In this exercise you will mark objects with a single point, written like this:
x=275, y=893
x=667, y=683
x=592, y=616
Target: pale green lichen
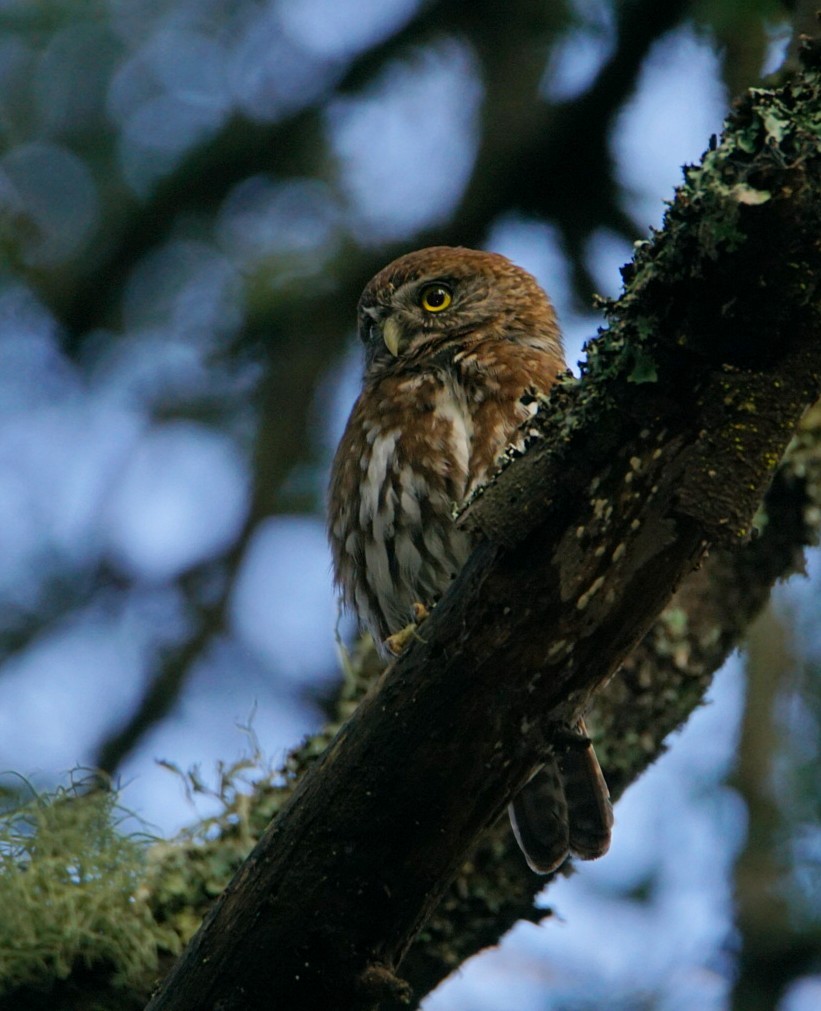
x=68, y=891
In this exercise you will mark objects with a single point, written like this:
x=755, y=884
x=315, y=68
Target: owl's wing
x=564, y=809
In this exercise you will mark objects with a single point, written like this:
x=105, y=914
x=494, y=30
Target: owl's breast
x=397, y=477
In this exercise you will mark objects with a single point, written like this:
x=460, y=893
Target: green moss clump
x=68, y=890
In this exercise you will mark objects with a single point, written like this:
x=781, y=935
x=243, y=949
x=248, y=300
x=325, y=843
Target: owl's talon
x=397, y=642
x=420, y=612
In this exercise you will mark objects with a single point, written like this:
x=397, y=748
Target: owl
x=458, y=344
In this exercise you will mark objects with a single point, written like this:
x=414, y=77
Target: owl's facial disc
x=432, y=297
x=403, y=316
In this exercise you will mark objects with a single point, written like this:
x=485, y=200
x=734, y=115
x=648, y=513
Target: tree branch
x=666, y=445
x=664, y=679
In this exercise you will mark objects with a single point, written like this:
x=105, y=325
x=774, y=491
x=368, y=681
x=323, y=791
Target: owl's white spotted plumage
x=457, y=343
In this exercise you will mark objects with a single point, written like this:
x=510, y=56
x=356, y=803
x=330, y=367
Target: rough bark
x=666, y=445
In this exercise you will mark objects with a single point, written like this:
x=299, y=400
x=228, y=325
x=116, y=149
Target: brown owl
x=457, y=343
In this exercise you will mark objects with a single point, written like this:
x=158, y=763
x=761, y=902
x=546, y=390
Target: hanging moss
x=68, y=891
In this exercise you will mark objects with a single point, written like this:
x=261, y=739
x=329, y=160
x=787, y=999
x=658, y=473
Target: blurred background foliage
x=192, y=195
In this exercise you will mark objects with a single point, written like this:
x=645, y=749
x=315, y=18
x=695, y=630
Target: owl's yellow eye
x=435, y=297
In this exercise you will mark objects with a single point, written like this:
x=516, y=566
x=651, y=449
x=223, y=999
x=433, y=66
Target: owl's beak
x=391, y=335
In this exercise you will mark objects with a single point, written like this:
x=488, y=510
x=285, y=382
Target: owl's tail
x=564, y=810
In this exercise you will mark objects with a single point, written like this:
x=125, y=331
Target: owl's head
x=434, y=301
